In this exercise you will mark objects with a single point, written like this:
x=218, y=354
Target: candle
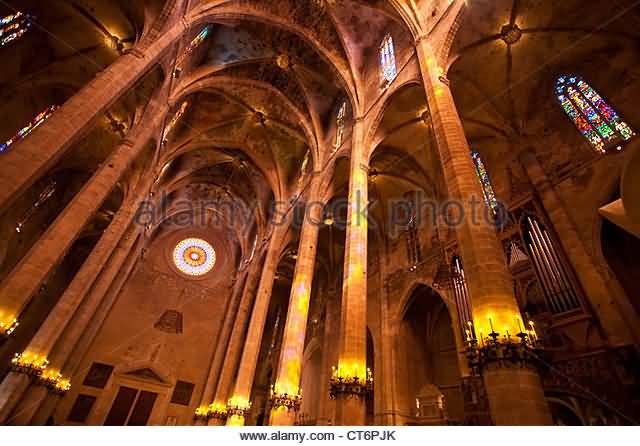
x=519, y=323
x=481, y=338
x=491, y=325
x=533, y=330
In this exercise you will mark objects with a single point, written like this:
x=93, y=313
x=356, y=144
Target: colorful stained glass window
x=39, y=119
x=14, y=26
x=485, y=181
x=194, y=257
x=195, y=43
x=594, y=118
x=340, y=121
x=388, y=60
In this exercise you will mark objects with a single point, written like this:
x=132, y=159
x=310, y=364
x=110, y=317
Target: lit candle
x=473, y=332
x=491, y=325
x=533, y=331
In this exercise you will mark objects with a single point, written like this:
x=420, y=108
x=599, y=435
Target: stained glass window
x=12, y=27
x=594, y=118
x=39, y=119
x=340, y=124
x=388, y=60
x=194, y=257
x=485, y=181
x=195, y=43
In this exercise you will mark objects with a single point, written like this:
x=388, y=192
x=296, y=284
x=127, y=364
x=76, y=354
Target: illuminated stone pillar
x=515, y=394
x=224, y=335
x=231, y=354
x=239, y=403
x=20, y=285
x=352, y=357
x=286, y=390
x=53, y=327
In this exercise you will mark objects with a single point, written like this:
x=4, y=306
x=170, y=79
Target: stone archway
x=427, y=356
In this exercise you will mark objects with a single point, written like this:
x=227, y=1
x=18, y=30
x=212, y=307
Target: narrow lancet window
x=388, y=67
x=35, y=123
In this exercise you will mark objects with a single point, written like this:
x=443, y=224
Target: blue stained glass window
x=388, y=67
x=487, y=188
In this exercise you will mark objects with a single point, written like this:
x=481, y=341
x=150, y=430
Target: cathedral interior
x=319, y=212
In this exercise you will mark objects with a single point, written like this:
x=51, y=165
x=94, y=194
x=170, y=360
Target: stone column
x=36, y=154
x=617, y=319
x=240, y=397
x=352, y=357
x=22, y=283
x=230, y=356
x=515, y=395
x=51, y=331
x=222, y=341
x=81, y=332
x=287, y=382
x=52, y=328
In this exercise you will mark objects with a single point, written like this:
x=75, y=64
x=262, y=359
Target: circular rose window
x=194, y=256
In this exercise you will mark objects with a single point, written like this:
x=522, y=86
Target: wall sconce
x=354, y=386
x=8, y=326
x=290, y=402
x=493, y=349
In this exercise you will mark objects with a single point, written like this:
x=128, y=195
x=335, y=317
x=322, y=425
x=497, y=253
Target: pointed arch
x=596, y=120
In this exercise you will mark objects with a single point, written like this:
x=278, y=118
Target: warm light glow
x=289, y=372
x=7, y=324
x=30, y=360
x=351, y=369
x=202, y=411
x=217, y=407
x=235, y=420
x=55, y=380
x=507, y=324
x=239, y=402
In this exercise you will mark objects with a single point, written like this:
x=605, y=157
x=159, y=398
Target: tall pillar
x=22, y=283
x=51, y=331
x=352, y=356
x=617, y=319
x=222, y=342
x=515, y=395
x=286, y=390
x=48, y=143
x=73, y=345
x=230, y=356
x=239, y=403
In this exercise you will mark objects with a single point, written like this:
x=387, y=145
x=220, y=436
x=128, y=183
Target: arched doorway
x=427, y=356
